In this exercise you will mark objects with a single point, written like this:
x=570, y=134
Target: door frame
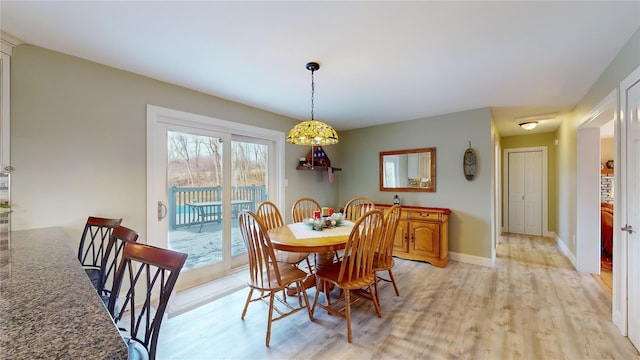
x=157, y=115
x=606, y=110
x=588, y=199
x=505, y=182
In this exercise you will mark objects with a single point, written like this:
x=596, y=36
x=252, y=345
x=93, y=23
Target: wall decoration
x=469, y=163
x=317, y=157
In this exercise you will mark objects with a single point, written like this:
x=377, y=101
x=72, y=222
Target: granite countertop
x=48, y=307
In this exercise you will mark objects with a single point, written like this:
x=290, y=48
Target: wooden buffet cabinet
x=423, y=234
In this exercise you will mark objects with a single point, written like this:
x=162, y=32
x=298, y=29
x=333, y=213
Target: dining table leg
x=322, y=260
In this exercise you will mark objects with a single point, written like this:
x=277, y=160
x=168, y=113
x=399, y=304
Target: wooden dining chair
x=149, y=275
x=303, y=208
x=271, y=217
x=112, y=256
x=93, y=245
x=355, y=271
x=356, y=207
x=352, y=212
x=267, y=275
x=383, y=257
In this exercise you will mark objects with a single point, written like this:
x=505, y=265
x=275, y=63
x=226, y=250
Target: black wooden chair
x=148, y=274
x=113, y=253
x=93, y=245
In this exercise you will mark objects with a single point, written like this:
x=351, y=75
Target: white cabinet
x=7, y=42
x=5, y=145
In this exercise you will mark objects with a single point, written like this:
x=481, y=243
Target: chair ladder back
x=119, y=237
x=94, y=240
x=263, y=267
x=152, y=271
x=270, y=215
x=357, y=261
x=303, y=208
x=356, y=207
x=391, y=220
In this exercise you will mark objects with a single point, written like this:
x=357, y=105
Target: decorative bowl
x=320, y=224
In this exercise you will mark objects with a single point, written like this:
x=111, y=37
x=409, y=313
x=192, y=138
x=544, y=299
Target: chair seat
x=288, y=274
x=381, y=263
x=137, y=351
x=288, y=257
x=332, y=272
x=94, y=276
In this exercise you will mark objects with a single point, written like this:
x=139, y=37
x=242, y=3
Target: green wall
x=627, y=60
x=78, y=145
x=471, y=202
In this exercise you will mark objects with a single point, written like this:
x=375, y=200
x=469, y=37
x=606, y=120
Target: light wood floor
x=606, y=280
x=531, y=305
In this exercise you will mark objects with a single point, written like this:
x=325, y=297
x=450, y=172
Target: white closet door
x=525, y=192
x=516, y=193
x=533, y=193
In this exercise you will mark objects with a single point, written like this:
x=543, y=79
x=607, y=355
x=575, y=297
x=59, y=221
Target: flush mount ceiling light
x=529, y=125
x=530, y=122
x=312, y=132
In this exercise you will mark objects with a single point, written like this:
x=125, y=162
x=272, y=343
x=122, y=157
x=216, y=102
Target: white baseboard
x=565, y=250
x=471, y=259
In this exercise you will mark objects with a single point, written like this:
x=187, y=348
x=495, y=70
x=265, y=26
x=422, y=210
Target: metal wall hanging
x=469, y=163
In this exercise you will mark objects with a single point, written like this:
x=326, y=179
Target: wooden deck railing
x=181, y=215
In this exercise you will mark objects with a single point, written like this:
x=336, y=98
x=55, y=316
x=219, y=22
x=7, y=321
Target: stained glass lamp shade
x=312, y=132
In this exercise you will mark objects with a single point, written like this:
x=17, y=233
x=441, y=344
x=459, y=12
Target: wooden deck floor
x=204, y=246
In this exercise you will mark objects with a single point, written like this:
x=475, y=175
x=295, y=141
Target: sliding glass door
x=202, y=177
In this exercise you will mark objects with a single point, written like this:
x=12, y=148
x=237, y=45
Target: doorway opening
x=596, y=148
x=607, y=174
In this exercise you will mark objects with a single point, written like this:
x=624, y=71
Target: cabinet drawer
x=425, y=215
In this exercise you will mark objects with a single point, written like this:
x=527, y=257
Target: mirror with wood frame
x=408, y=170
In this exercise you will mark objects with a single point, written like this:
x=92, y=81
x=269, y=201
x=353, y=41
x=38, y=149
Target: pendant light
x=312, y=132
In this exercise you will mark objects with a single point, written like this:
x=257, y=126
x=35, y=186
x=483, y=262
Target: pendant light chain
x=313, y=91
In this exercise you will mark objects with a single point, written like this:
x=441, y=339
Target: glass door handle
x=162, y=210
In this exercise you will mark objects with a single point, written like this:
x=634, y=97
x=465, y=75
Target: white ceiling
x=381, y=61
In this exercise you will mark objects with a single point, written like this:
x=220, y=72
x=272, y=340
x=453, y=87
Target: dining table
x=300, y=237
